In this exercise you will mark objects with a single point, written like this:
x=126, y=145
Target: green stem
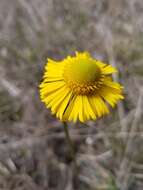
x=70, y=143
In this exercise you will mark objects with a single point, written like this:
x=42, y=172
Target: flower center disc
x=82, y=77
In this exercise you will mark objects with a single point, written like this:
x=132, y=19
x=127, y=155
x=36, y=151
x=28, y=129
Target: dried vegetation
x=33, y=150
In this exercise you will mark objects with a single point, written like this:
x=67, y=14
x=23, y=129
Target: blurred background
x=34, y=154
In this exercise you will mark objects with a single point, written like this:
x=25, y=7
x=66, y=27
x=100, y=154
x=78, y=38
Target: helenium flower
x=79, y=88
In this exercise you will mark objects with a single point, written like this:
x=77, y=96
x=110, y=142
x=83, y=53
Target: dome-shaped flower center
x=84, y=72
x=83, y=76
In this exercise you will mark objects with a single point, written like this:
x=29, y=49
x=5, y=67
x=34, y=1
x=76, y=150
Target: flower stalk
x=70, y=143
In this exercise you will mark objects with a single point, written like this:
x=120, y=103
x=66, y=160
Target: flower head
x=79, y=88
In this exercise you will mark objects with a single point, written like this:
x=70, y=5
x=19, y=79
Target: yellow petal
x=75, y=110
x=46, y=89
x=111, y=95
x=99, y=105
x=59, y=103
x=88, y=110
x=108, y=69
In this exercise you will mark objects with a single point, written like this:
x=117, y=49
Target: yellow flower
x=79, y=88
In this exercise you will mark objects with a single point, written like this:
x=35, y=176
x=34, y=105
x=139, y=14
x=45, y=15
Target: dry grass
x=34, y=154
